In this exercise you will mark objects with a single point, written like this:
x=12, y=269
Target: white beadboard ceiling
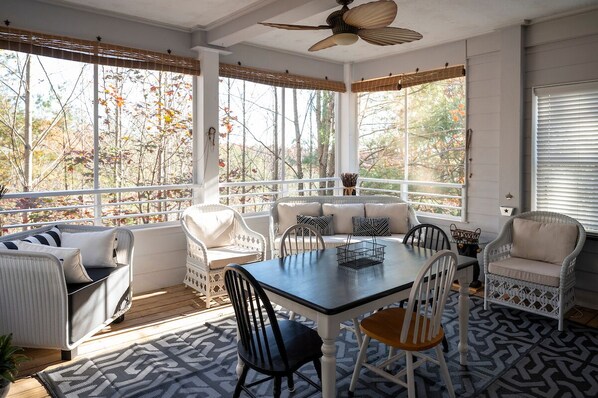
x=229, y=22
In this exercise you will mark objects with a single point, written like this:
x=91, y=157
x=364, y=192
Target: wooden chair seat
x=386, y=325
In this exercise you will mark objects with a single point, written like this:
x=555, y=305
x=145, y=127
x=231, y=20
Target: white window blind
x=565, y=151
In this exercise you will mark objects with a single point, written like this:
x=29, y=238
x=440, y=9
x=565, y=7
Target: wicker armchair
x=542, y=288
x=217, y=235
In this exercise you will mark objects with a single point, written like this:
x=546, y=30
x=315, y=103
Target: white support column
x=347, y=139
x=205, y=118
x=511, y=119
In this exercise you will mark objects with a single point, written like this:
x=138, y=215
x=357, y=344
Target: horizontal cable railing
x=427, y=198
x=162, y=203
x=107, y=206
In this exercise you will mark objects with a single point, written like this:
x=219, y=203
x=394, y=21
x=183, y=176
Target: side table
x=472, y=250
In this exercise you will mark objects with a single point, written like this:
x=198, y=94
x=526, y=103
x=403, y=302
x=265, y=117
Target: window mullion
x=96, y=146
x=405, y=187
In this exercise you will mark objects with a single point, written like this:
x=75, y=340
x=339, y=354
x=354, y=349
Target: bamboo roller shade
x=279, y=79
x=404, y=80
x=94, y=52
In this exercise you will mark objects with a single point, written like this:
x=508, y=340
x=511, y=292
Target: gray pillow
x=322, y=224
x=371, y=226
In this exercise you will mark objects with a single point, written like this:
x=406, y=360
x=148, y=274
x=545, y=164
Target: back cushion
x=97, y=247
x=538, y=241
x=214, y=229
x=397, y=212
x=343, y=215
x=288, y=212
x=70, y=258
x=48, y=238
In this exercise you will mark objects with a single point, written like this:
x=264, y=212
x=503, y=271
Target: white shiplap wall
x=559, y=52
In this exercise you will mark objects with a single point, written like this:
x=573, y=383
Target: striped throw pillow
x=371, y=226
x=322, y=224
x=48, y=238
x=10, y=245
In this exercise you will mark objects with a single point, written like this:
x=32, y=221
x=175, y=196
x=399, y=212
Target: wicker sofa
x=42, y=310
x=283, y=213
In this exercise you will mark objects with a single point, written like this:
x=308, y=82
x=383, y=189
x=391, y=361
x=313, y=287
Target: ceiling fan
x=369, y=21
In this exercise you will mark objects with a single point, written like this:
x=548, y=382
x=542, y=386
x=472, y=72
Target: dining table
x=314, y=285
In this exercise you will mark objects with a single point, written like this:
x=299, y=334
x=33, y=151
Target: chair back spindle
x=300, y=238
x=254, y=313
x=431, y=288
x=428, y=236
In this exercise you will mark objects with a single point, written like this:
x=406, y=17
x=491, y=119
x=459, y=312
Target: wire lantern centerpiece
x=349, y=181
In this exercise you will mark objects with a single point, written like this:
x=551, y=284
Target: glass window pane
x=145, y=126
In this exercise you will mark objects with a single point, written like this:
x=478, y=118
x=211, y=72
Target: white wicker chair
x=550, y=301
x=206, y=258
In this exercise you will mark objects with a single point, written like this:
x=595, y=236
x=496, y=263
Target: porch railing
x=152, y=204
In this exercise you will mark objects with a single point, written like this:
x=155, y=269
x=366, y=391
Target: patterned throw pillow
x=371, y=226
x=48, y=238
x=9, y=245
x=323, y=224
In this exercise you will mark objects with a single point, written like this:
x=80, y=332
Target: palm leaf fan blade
x=388, y=36
x=294, y=27
x=322, y=44
x=374, y=15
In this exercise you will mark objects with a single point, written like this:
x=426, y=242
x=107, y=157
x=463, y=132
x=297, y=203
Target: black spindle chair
x=428, y=236
x=269, y=346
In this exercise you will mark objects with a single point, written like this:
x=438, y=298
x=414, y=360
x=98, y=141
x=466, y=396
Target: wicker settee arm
x=568, y=267
x=34, y=303
x=499, y=248
x=196, y=249
x=246, y=237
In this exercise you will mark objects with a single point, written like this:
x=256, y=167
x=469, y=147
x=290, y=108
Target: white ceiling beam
x=246, y=26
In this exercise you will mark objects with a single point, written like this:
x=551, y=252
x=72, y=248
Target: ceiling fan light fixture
x=345, y=39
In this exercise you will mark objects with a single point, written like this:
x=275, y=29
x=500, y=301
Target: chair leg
x=318, y=366
x=445, y=344
x=360, y=359
x=277, y=386
x=241, y=382
x=410, y=375
x=358, y=335
x=445, y=373
x=291, y=383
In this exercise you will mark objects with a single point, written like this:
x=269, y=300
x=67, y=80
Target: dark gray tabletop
x=315, y=279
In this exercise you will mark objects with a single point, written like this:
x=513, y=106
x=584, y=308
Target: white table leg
x=328, y=331
x=463, y=346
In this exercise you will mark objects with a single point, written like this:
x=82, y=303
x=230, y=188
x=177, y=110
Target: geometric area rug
x=512, y=354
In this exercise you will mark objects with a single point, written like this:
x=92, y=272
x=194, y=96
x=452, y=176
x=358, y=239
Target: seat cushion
x=214, y=228
x=533, y=271
x=220, y=257
x=288, y=212
x=548, y=242
x=397, y=212
x=343, y=215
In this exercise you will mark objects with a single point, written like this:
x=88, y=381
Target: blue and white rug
x=512, y=354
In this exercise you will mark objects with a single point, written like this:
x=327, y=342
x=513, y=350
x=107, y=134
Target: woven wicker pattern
x=34, y=300
x=404, y=80
x=553, y=302
x=210, y=282
x=94, y=52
